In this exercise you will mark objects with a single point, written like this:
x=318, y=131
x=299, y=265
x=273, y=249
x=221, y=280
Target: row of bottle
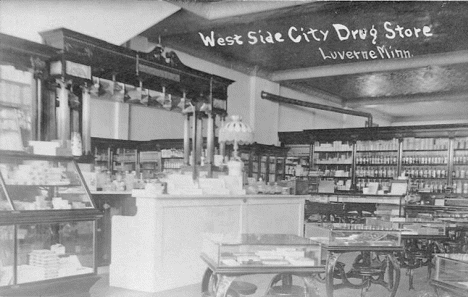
x=425, y=172
x=460, y=172
x=377, y=145
x=121, y=181
x=376, y=159
x=461, y=143
x=376, y=172
x=173, y=164
x=333, y=158
x=436, y=159
x=460, y=187
x=383, y=184
x=411, y=143
x=432, y=186
x=172, y=153
x=461, y=159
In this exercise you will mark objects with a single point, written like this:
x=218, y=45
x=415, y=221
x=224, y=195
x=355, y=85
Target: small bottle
x=107, y=186
x=140, y=183
x=459, y=187
x=465, y=188
x=129, y=180
x=278, y=189
x=119, y=183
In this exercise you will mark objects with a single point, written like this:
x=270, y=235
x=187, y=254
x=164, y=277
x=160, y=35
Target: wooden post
x=63, y=112
x=37, y=104
x=194, y=145
x=187, y=140
x=199, y=138
x=210, y=139
x=86, y=119
x=222, y=145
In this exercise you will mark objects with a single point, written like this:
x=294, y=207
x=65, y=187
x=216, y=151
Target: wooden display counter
x=158, y=249
x=351, y=207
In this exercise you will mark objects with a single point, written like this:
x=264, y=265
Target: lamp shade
x=235, y=131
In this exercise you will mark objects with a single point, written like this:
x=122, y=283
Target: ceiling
x=413, y=65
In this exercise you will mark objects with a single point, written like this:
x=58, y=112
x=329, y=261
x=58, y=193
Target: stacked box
x=47, y=260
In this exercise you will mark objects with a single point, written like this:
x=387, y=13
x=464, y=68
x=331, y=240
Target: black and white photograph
x=233, y=148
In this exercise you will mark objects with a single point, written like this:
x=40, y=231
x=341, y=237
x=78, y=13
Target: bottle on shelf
x=118, y=184
x=459, y=187
x=139, y=182
x=129, y=180
x=107, y=186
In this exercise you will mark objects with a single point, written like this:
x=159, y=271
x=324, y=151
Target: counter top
x=144, y=194
x=356, y=194
x=356, y=198
x=111, y=193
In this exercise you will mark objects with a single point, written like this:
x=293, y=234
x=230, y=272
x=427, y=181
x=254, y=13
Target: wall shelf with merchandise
x=433, y=157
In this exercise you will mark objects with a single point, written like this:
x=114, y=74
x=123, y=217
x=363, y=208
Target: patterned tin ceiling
x=322, y=36
x=427, y=80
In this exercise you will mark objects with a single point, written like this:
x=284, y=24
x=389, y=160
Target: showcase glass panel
x=4, y=204
x=261, y=250
x=6, y=255
x=16, y=107
x=43, y=184
x=451, y=270
x=49, y=251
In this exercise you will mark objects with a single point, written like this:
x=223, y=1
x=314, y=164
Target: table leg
x=311, y=286
x=410, y=274
x=224, y=282
x=330, y=267
x=394, y=279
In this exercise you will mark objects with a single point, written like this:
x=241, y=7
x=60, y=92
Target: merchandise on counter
x=36, y=173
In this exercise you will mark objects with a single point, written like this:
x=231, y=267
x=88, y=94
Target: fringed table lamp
x=237, y=133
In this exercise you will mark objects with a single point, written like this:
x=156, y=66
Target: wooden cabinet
x=267, y=162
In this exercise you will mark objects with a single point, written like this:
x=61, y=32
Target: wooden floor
x=422, y=288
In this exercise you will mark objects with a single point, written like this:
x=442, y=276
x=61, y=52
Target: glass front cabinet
x=47, y=227
x=451, y=274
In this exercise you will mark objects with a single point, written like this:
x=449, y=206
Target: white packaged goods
x=44, y=147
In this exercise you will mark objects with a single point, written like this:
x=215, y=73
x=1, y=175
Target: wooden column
x=86, y=119
x=63, y=111
x=187, y=140
x=222, y=145
x=199, y=138
x=194, y=145
x=210, y=139
x=37, y=104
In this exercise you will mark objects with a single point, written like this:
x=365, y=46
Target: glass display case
x=451, y=273
x=344, y=234
x=42, y=183
x=411, y=226
x=261, y=250
x=47, y=226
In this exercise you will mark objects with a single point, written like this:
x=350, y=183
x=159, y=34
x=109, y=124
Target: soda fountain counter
x=159, y=247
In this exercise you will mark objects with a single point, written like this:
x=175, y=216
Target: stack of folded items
x=47, y=260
